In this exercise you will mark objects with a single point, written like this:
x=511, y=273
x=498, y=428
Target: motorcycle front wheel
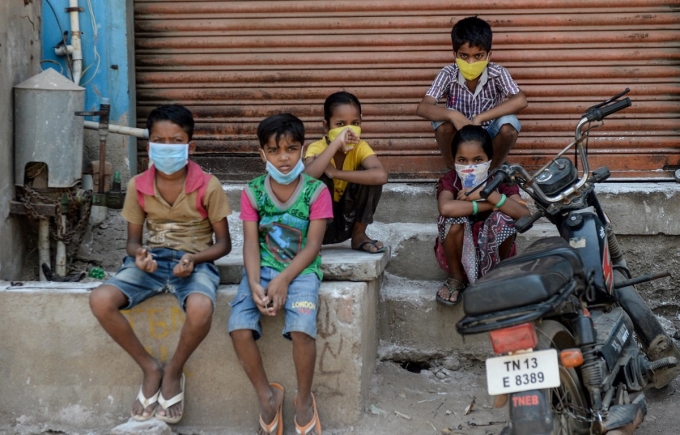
x=568, y=401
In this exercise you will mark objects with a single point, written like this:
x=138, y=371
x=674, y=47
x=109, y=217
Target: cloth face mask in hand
x=335, y=132
x=472, y=175
x=169, y=158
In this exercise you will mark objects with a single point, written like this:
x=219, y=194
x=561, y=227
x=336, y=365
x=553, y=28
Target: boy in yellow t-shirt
x=351, y=170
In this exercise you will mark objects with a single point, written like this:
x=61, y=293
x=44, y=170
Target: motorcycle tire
x=568, y=401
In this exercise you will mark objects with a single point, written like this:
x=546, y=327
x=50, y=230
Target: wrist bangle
x=475, y=208
x=500, y=203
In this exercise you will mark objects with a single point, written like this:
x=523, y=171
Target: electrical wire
x=63, y=38
x=97, y=57
x=54, y=62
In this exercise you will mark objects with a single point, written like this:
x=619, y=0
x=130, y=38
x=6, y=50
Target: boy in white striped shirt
x=477, y=92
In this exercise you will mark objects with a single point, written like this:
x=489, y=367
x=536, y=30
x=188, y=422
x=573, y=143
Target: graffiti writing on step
x=158, y=328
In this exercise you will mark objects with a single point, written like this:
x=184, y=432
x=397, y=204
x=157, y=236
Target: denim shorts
x=301, y=307
x=495, y=127
x=139, y=285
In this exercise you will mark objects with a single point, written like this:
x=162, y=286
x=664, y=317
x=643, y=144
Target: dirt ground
x=432, y=403
x=402, y=402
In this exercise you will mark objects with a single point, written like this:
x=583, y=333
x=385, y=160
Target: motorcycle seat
x=547, y=267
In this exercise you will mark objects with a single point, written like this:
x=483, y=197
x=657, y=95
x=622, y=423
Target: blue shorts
x=301, y=307
x=139, y=286
x=495, y=127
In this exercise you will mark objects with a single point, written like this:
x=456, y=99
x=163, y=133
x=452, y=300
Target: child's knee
x=241, y=335
x=105, y=299
x=199, y=308
x=509, y=131
x=301, y=338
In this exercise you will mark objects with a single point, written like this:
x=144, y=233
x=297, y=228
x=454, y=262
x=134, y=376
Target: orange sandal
x=314, y=423
x=277, y=423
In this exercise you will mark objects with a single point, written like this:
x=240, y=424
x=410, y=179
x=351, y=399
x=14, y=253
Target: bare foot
x=170, y=387
x=304, y=413
x=151, y=382
x=268, y=411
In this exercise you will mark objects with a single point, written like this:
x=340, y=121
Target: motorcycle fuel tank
x=584, y=232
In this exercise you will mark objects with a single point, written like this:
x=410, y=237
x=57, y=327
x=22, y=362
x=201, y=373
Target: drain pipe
x=43, y=244
x=77, y=55
x=141, y=133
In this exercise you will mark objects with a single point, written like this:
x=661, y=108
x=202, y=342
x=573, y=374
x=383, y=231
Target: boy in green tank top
x=284, y=217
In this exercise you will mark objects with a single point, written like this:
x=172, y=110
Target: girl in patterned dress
x=474, y=234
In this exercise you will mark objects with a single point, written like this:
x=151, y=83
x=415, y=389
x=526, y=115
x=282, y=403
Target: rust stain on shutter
x=235, y=62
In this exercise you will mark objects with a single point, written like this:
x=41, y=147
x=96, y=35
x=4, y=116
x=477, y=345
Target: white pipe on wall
x=141, y=133
x=43, y=245
x=60, y=258
x=77, y=55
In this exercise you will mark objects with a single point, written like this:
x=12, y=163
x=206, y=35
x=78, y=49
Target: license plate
x=522, y=372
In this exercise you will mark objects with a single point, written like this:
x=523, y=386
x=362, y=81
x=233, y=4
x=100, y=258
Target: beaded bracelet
x=500, y=203
x=475, y=208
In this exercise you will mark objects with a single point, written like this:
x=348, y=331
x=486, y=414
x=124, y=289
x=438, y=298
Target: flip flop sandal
x=460, y=286
x=277, y=423
x=314, y=423
x=165, y=404
x=146, y=403
x=362, y=247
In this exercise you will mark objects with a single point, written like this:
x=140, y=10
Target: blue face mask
x=288, y=178
x=169, y=158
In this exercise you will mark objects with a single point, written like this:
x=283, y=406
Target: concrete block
x=414, y=327
x=338, y=263
x=414, y=203
x=642, y=208
x=58, y=366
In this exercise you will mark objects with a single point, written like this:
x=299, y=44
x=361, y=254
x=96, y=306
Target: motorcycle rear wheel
x=568, y=401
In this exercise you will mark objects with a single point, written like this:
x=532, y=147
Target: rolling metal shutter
x=235, y=62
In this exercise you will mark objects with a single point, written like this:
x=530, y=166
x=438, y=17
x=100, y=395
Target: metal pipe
x=60, y=260
x=77, y=55
x=43, y=245
x=141, y=133
x=104, y=112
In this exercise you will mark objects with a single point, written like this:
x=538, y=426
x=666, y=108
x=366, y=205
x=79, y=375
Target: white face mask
x=472, y=175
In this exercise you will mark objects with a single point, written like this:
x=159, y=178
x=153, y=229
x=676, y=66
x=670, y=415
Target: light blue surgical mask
x=288, y=178
x=169, y=158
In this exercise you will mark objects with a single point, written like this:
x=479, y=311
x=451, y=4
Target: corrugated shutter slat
x=235, y=62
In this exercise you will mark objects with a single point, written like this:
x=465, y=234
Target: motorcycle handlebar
x=493, y=184
x=600, y=113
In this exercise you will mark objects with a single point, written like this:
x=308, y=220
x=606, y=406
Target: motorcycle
x=575, y=343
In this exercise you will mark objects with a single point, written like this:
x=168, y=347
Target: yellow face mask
x=335, y=132
x=472, y=70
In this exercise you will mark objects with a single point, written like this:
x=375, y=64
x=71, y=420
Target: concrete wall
x=19, y=59
x=113, y=78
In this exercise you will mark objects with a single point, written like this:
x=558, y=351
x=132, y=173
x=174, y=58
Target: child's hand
x=144, y=260
x=474, y=196
x=262, y=301
x=277, y=291
x=346, y=136
x=459, y=120
x=184, y=267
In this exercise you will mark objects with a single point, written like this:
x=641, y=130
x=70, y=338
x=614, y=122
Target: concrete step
x=414, y=327
x=338, y=263
x=58, y=366
x=412, y=247
x=634, y=208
